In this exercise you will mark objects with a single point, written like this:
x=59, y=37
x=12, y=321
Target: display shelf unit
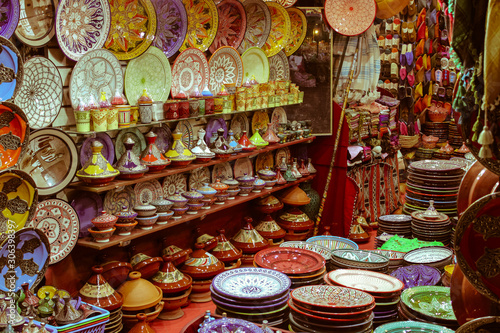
x=117, y=240
x=79, y=185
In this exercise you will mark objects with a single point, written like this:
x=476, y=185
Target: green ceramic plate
x=411, y=326
x=431, y=301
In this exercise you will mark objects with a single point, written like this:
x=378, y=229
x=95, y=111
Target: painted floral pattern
x=4, y=10
x=278, y=67
x=258, y=26
x=225, y=67
x=202, y=24
x=172, y=25
x=280, y=30
x=190, y=71
x=232, y=25
x=298, y=30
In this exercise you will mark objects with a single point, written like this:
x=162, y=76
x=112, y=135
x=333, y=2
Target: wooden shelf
x=117, y=240
x=170, y=171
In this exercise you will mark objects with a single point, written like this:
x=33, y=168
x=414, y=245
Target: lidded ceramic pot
x=97, y=170
x=115, y=272
x=258, y=141
x=233, y=143
x=207, y=191
x=258, y=185
x=145, y=264
x=178, y=200
x=248, y=239
x=179, y=154
x=225, y=251
x=98, y=292
x=145, y=210
x=139, y=294
x=178, y=255
x=201, y=150
x=152, y=156
x=268, y=204
x=295, y=219
x=269, y=229
x=220, y=146
x=202, y=265
x=245, y=180
x=125, y=215
x=232, y=183
x=295, y=196
x=267, y=174
x=270, y=136
x=219, y=187
x=129, y=164
x=193, y=196
x=280, y=180
x=170, y=279
x=162, y=205
x=245, y=143
x=104, y=221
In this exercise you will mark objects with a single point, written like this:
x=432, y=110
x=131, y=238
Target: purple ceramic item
x=163, y=137
x=234, y=301
x=9, y=17
x=417, y=275
x=229, y=325
x=108, y=149
x=172, y=25
x=87, y=205
x=251, y=308
x=212, y=127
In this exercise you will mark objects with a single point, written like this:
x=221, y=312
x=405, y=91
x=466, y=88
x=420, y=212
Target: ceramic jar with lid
x=142, y=325
x=258, y=185
x=179, y=154
x=245, y=180
x=125, y=215
x=226, y=252
x=178, y=255
x=219, y=187
x=207, y=191
x=139, y=294
x=193, y=196
x=147, y=266
x=266, y=174
x=245, y=143
x=97, y=171
x=258, y=141
x=152, y=156
x=295, y=219
x=248, y=239
x=162, y=205
x=178, y=200
x=201, y=150
x=202, y=265
x=129, y=164
x=145, y=210
x=220, y=146
x=233, y=143
x=98, y=292
x=268, y=204
x=270, y=136
x=104, y=221
x=232, y=183
x=170, y=279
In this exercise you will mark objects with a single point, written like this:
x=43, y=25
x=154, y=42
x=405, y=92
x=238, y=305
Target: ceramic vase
x=97, y=171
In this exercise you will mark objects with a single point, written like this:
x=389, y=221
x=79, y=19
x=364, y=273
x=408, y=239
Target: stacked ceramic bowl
x=395, y=258
x=439, y=130
x=434, y=256
x=397, y=224
x=251, y=293
x=321, y=250
x=333, y=242
x=454, y=137
x=411, y=326
x=303, y=267
x=325, y=309
x=359, y=259
x=428, y=304
x=384, y=288
x=431, y=225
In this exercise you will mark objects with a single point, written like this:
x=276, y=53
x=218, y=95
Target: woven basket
x=408, y=141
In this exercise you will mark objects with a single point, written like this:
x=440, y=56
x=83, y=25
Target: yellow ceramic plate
x=264, y=160
x=256, y=64
x=298, y=30
x=203, y=21
x=260, y=120
x=280, y=29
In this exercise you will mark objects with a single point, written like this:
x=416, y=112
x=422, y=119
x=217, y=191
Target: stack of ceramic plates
x=114, y=325
x=411, y=326
x=439, y=130
x=431, y=225
x=428, y=304
x=395, y=258
x=384, y=288
x=397, y=224
x=359, y=259
x=423, y=154
x=454, y=137
x=381, y=239
x=303, y=267
x=417, y=275
x=321, y=250
x=333, y=242
x=251, y=293
x=323, y=309
x=434, y=256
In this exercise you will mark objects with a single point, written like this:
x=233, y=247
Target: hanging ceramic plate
x=82, y=26
x=136, y=136
x=96, y=71
x=9, y=17
x=14, y=135
x=115, y=200
x=350, y=18
x=202, y=24
x=51, y=160
x=190, y=71
x=212, y=126
x=150, y=71
x=133, y=28
x=239, y=123
x=148, y=191
x=243, y=166
x=232, y=24
x=163, y=137
x=255, y=64
x=185, y=128
x=41, y=93
x=225, y=67
x=173, y=184
x=222, y=171
x=258, y=25
x=279, y=69
x=285, y=3
x=108, y=149
x=280, y=29
x=36, y=22
x=278, y=117
x=260, y=120
x=172, y=26
x=19, y=199
x=12, y=71
x=298, y=30
x=198, y=177
x=87, y=205
x=59, y=222
x=280, y=153
x=264, y=160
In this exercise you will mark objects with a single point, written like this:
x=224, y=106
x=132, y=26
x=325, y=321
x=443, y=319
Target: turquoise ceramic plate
x=411, y=326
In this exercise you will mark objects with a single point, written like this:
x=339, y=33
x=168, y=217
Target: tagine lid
x=104, y=218
x=266, y=172
x=98, y=292
x=177, y=198
x=170, y=279
x=295, y=196
x=202, y=264
x=245, y=179
x=247, y=238
x=207, y=189
x=430, y=214
x=160, y=201
x=192, y=195
x=268, y=228
x=144, y=207
x=225, y=251
x=269, y=201
x=179, y=152
x=270, y=136
x=126, y=213
x=152, y=155
x=139, y=294
x=231, y=182
x=97, y=166
x=129, y=162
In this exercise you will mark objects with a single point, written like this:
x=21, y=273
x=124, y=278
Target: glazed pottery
x=412, y=326
x=258, y=185
x=130, y=320
x=246, y=180
x=225, y=250
x=432, y=302
x=417, y=275
x=220, y=198
x=179, y=211
x=269, y=229
x=233, y=193
x=295, y=196
x=201, y=150
x=178, y=200
x=125, y=229
x=295, y=170
x=162, y=205
x=374, y=283
x=101, y=236
x=232, y=183
x=310, y=167
x=193, y=196
x=193, y=208
x=116, y=272
x=178, y=255
x=332, y=299
x=164, y=217
x=290, y=261
x=303, y=169
x=248, y=239
x=333, y=242
x=172, y=305
x=245, y=143
x=142, y=326
x=179, y=154
x=139, y=294
x=147, y=222
x=145, y=210
x=98, y=292
x=97, y=171
x=68, y=314
x=219, y=187
x=104, y=221
x=147, y=266
x=201, y=264
x=170, y=279
x=312, y=208
x=129, y=164
x=322, y=250
x=220, y=147
x=233, y=143
x=270, y=136
x=245, y=190
x=266, y=174
x=295, y=219
x=152, y=156
x=207, y=191
x=125, y=215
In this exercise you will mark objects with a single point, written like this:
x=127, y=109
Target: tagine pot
x=179, y=154
x=146, y=265
x=142, y=326
x=178, y=255
x=225, y=251
x=98, y=292
x=104, y=221
x=248, y=239
x=97, y=171
x=269, y=229
x=116, y=272
x=139, y=294
x=268, y=205
x=295, y=219
x=202, y=265
x=295, y=196
x=201, y=150
x=258, y=141
x=152, y=156
x=270, y=136
x=129, y=164
x=220, y=147
x=170, y=280
x=173, y=304
x=245, y=143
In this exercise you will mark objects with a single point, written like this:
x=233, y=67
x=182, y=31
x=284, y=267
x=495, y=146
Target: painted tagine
x=226, y=252
x=97, y=171
x=152, y=156
x=202, y=265
x=248, y=239
x=179, y=154
x=170, y=280
x=268, y=204
x=257, y=140
x=201, y=150
x=270, y=230
x=233, y=143
x=270, y=136
x=129, y=164
x=147, y=266
x=178, y=255
x=245, y=143
x=220, y=147
x=104, y=221
x=98, y=292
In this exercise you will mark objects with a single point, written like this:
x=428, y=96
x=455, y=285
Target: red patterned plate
x=285, y=3
x=226, y=67
x=203, y=21
x=14, y=134
x=190, y=72
x=258, y=25
x=289, y=260
x=232, y=25
x=332, y=298
x=350, y=18
x=298, y=31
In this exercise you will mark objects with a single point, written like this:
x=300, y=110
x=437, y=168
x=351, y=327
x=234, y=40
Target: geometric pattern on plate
x=366, y=280
x=172, y=25
x=232, y=25
x=36, y=25
x=360, y=255
x=428, y=255
x=203, y=21
x=14, y=135
x=198, y=177
x=184, y=126
x=226, y=67
x=350, y=18
x=243, y=166
x=298, y=30
x=173, y=184
x=436, y=166
x=280, y=29
x=279, y=69
x=190, y=72
x=332, y=297
x=119, y=197
x=321, y=250
x=290, y=260
x=432, y=301
x=258, y=25
x=411, y=326
x=9, y=18
x=228, y=325
x=148, y=191
x=222, y=171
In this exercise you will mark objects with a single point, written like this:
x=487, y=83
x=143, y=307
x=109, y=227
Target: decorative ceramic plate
x=260, y=120
x=135, y=135
x=436, y=167
x=230, y=325
x=431, y=301
x=12, y=71
x=172, y=25
x=359, y=255
x=36, y=22
x=366, y=280
x=350, y=18
x=333, y=242
x=82, y=26
x=321, y=250
x=331, y=298
x=243, y=166
x=198, y=177
x=203, y=21
x=97, y=71
x=264, y=160
x=255, y=64
x=278, y=117
x=212, y=127
x=279, y=69
x=32, y=251
x=51, y=160
x=258, y=25
x=9, y=18
x=190, y=72
x=428, y=255
x=87, y=205
x=133, y=28
x=173, y=184
x=59, y=222
x=290, y=260
x=116, y=199
x=19, y=199
x=226, y=67
x=14, y=135
x=298, y=31
x=411, y=326
x=185, y=128
x=222, y=171
x=239, y=123
x=280, y=153
x=108, y=149
x=251, y=283
x=163, y=137
x=232, y=24
x=147, y=191
x=280, y=29
x=150, y=71
x=285, y=3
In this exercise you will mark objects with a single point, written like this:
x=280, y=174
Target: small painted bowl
x=124, y=229
x=164, y=217
x=146, y=223
x=101, y=236
x=270, y=183
x=125, y=215
x=162, y=205
x=207, y=191
x=267, y=174
x=221, y=198
x=193, y=196
x=245, y=180
x=232, y=183
x=245, y=190
x=207, y=203
x=145, y=210
x=178, y=200
x=258, y=185
x=233, y=193
x=194, y=207
x=179, y=211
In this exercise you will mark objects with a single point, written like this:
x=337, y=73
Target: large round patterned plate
x=255, y=64
x=148, y=191
x=321, y=250
x=59, y=222
x=260, y=120
x=185, y=128
x=41, y=92
x=411, y=326
x=350, y=18
x=14, y=135
x=82, y=26
x=264, y=160
x=173, y=184
x=280, y=29
x=136, y=136
x=331, y=298
x=51, y=160
x=198, y=177
x=108, y=149
x=203, y=21
x=280, y=153
x=290, y=261
x=163, y=137
x=150, y=71
x=97, y=71
x=36, y=22
x=366, y=281
x=226, y=67
x=12, y=71
x=222, y=171
x=213, y=126
x=298, y=31
x=115, y=200
x=190, y=72
x=232, y=25
x=239, y=123
x=278, y=117
x=258, y=25
x=133, y=28
x=279, y=69
x=9, y=17
x=172, y=25
x=243, y=166
x=87, y=205
x=431, y=301
x=224, y=325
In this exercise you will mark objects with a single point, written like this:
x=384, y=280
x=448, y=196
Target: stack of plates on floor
x=411, y=326
x=253, y=294
x=303, y=267
x=431, y=225
x=439, y=130
x=114, y=325
x=395, y=258
x=359, y=259
x=333, y=242
x=321, y=250
x=454, y=137
x=397, y=224
x=384, y=288
x=325, y=309
x=428, y=304
x=437, y=155
x=434, y=256
x=423, y=154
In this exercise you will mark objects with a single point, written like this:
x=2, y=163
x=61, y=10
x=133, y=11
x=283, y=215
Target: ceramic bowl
x=232, y=183
x=258, y=185
x=104, y=221
x=245, y=180
x=164, y=217
x=125, y=216
x=321, y=250
x=101, y=236
x=435, y=256
x=193, y=196
x=193, y=208
x=417, y=275
x=245, y=190
x=162, y=205
x=147, y=223
x=221, y=198
x=178, y=200
x=145, y=210
x=233, y=193
x=207, y=191
x=179, y=211
x=270, y=183
x=333, y=242
x=353, y=257
x=124, y=229
x=207, y=203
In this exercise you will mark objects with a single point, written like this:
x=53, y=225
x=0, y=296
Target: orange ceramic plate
x=14, y=134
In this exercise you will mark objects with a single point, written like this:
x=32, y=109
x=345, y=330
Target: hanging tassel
x=485, y=138
x=476, y=129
